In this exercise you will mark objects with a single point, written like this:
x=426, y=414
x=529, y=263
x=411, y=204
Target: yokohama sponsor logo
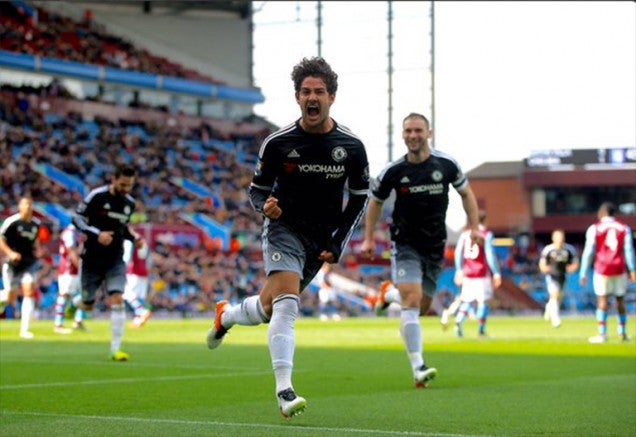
x=123, y=218
x=29, y=235
x=430, y=188
x=320, y=168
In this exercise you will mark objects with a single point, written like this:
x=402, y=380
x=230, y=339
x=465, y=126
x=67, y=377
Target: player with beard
x=303, y=172
x=421, y=181
x=104, y=218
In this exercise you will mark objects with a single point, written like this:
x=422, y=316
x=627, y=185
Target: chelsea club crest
x=338, y=154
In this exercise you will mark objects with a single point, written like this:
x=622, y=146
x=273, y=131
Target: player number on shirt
x=611, y=240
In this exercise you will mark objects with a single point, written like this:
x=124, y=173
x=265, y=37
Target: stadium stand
x=193, y=171
x=40, y=32
x=178, y=166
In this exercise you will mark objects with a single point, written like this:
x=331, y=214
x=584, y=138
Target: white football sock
x=80, y=315
x=412, y=335
x=281, y=338
x=453, y=307
x=28, y=303
x=556, y=320
x=393, y=296
x=248, y=313
x=553, y=309
x=117, y=321
x=77, y=300
x=462, y=312
x=60, y=303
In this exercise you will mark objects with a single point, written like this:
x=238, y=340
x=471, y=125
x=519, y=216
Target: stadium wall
x=513, y=196
x=506, y=203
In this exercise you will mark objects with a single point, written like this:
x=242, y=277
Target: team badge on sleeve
x=259, y=168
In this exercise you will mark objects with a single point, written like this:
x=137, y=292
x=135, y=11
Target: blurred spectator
x=48, y=34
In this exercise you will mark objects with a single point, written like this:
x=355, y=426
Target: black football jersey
x=103, y=211
x=21, y=236
x=421, y=198
x=558, y=259
x=308, y=174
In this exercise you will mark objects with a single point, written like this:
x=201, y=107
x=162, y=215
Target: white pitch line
x=136, y=364
x=244, y=425
x=129, y=380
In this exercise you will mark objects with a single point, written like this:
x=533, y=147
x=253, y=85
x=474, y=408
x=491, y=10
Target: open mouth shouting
x=313, y=111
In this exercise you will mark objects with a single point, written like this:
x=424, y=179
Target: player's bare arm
x=374, y=209
x=469, y=202
x=11, y=254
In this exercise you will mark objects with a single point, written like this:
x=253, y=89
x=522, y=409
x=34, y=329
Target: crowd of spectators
x=48, y=34
x=186, y=279
x=89, y=150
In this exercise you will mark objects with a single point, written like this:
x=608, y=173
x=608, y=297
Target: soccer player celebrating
x=557, y=259
x=610, y=244
x=299, y=185
x=421, y=180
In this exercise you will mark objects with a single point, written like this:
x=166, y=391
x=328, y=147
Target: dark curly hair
x=315, y=67
x=125, y=170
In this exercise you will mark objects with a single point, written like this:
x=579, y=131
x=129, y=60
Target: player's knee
x=115, y=297
x=87, y=306
x=12, y=297
x=425, y=303
x=28, y=289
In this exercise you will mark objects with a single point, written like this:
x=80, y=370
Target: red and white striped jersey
x=609, y=237
x=476, y=260
x=138, y=261
x=69, y=241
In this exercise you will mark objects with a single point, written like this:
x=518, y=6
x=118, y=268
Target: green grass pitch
x=527, y=379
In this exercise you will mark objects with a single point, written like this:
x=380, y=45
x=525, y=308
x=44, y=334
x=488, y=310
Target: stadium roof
x=241, y=7
x=503, y=169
